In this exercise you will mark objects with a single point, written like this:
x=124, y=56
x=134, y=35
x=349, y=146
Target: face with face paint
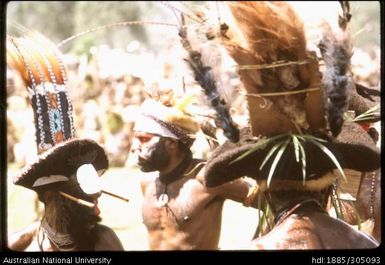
x=151, y=151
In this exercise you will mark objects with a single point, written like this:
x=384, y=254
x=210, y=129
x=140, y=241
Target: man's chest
x=174, y=205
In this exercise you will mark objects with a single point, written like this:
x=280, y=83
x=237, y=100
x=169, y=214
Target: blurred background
x=109, y=71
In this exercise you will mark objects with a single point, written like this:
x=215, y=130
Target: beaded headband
x=179, y=132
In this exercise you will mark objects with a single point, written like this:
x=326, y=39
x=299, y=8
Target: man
x=297, y=149
x=363, y=188
x=180, y=213
x=299, y=204
x=66, y=179
x=66, y=175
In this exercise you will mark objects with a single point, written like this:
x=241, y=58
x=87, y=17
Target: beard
x=155, y=157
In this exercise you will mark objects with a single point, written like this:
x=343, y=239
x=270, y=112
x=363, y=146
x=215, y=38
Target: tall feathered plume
x=336, y=51
x=204, y=61
x=39, y=65
x=281, y=78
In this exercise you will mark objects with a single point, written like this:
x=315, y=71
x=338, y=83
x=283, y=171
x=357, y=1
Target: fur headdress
x=296, y=106
x=281, y=78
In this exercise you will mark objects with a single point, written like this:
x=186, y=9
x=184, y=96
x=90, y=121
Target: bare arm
x=235, y=190
x=240, y=190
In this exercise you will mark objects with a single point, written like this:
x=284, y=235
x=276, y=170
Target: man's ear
x=47, y=196
x=171, y=144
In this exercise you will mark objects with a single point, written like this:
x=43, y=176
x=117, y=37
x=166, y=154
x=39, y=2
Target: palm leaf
x=336, y=204
x=305, y=137
x=296, y=147
x=272, y=150
x=331, y=156
x=354, y=208
x=303, y=160
x=259, y=214
x=265, y=217
x=263, y=221
x=268, y=214
x=276, y=160
x=369, y=114
x=257, y=146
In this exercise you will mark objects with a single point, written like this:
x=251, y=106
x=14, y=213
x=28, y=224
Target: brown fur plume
x=267, y=33
x=272, y=30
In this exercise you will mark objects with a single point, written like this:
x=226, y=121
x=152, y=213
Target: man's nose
x=136, y=146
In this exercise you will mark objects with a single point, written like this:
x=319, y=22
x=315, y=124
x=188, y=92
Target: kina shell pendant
x=162, y=200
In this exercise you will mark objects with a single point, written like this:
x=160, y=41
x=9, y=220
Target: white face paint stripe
x=48, y=180
x=88, y=179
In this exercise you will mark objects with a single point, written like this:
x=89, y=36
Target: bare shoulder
x=348, y=237
x=293, y=233
x=106, y=239
x=146, y=180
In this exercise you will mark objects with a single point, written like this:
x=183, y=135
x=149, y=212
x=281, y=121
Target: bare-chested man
x=180, y=213
x=299, y=206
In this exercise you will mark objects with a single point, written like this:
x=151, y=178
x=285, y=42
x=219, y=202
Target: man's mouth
x=141, y=159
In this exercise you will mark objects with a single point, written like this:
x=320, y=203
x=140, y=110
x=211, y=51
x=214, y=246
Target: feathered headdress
x=204, y=61
x=163, y=117
x=281, y=78
x=39, y=64
x=286, y=89
x=291, y=99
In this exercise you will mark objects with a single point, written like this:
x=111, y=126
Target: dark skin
x=192, y=217
x=309, y=226
x=65, y=217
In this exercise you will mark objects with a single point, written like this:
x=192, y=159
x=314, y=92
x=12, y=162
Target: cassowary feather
x=267, y=33
x=335, y=47
x=206, y=79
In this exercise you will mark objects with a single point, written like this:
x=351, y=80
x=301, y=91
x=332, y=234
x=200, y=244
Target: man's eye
x=144, y=139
